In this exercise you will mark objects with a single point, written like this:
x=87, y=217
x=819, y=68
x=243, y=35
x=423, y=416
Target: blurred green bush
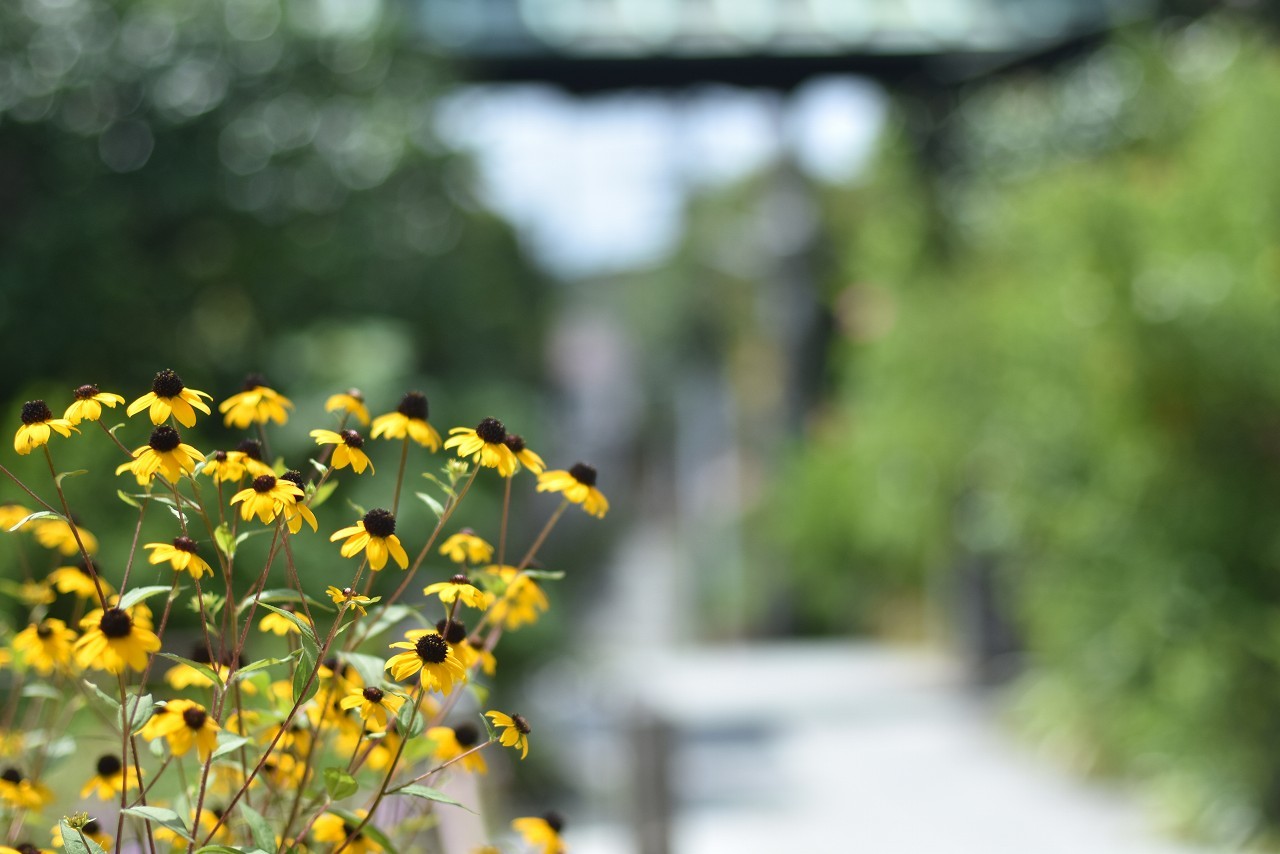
x=1078, y=385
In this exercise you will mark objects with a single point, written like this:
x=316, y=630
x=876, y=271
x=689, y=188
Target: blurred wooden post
x=652, y=740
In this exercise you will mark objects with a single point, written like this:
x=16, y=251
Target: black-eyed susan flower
x=449, y=743
x=459, y=587
x=266, y=498
x=455, y=633
x=38, y=424
x=89, y=402
x=375, y=535
x=114, y=640
x=296, y=510
x=376, y=706
x=32, y=593
x=333, y=828
x=409, y=419
x=541, y=832
x=46, y=646
x=429, y=653
x=526, y=457
x=17, y=790
x=522, y=599
x=348, y=596
x=109, y=778
x=278, y=624
x=349, y=450
x=255, y=403
x=465, y=546
x=187, y=724
x=54, y=532
x=165, y=453
x=486, y=444
x=169, y=395
x=578, y=484
x=515, y=730
x=77, y=579
x=181, y=555
x=248, y=453
x=223, y=468
x=349, y=402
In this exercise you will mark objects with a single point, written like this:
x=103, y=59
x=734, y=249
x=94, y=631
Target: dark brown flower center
x=373, y=695
x=467, y=734
x=253, y=381
x=491, y=431
x=459, y=579
x=414, y=405
x=453, y=631
x=167, y=384
x=194, y=718
x=115, y=623
x=380, y=523
x=352, y=439
x=109, y=765
x=583, y=473
x=295, y=477
x=86, y=567
x=184, y=544
x=251, y=448
x=44, y=632
x=35, y=412
x=91, y=827
x=554, y=820
x=264, y=483
x=220, y=456
x=522, y=726
x=85, y=392
x=164, y=438
x=515, y=442
x=432, y=649
x=11, y=775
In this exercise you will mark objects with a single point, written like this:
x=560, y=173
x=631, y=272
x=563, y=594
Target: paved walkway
x=831, y=748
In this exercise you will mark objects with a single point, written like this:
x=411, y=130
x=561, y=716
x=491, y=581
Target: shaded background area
x=947, y=324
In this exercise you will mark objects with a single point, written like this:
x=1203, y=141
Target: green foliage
x=1084, y=388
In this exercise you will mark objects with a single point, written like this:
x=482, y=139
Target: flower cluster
x=294, y=736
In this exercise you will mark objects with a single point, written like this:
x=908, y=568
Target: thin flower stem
x=112, y=436
x=502, y=530
x=422, y=555
x=133, y=548
x=546, y=529
x=75, y=530
x=441, y=767
x=404, y=458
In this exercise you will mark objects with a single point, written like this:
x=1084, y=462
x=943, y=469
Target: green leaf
x=162, y=817
x=339, y=784
x=448, y=490
x=39, y=689
x=204, y=669
x=220, y=849
x=138, y=710
x=388, y=617
x=263, y=836
x=74, y=843
x=436, y=507
x=229, y=743
x=261, y=664
x=226, y=542
x=323, y=492
x=430, y=794
x=409, y=719
x=309, y=641
x=275, y=594
x=369, y=830
x=128, y=499
x=39, y=514
x=111, y=702
x=140, y=594
x=302, y=674
x=61, y=476
x=370, y=667
x=548, y=574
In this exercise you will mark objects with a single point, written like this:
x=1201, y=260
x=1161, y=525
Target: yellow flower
x=223, y=467
x=409, y=419
x=458, y=587
x=578, y=484
x=430, y=654
x=37, y=422
x=109, y=778
x=77, y=579
x=248, y=453
x=332, y=828
x=11, y=515
x=181, y=555
x=455, y=633
x=185, y=724
x=169, y=395
x=346, y=594
x=46, y=646
x=527, y=458
x=542, y=832
x=17, y=790
x=375, y=535
x=280, y=625
x=296, y=510
x=165, y=453
x=376, y=706
x=515, y=730
x=114, y=640
x=486, y=445
x=267, y=497
x=465, y=546
x=256, y=403
x=88, y=404
x=349, y=450
x=349, y=402
x=34, y=593
x=522, y=600
x=451, y=742
x=53, y=532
